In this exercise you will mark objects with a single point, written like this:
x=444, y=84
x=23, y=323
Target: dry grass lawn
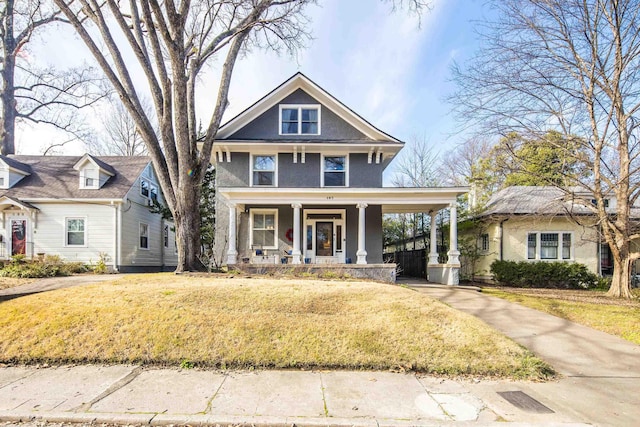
x=589, y=308
x=256, y=323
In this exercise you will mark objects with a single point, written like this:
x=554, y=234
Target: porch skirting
x=382, y=272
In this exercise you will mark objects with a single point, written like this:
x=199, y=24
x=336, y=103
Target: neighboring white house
x=84, y=209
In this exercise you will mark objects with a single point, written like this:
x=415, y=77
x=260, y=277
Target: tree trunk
x=620, y=283
x=7, y=129
x=187, y=222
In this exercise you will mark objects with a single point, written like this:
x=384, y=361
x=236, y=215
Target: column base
x=454, y=258
x=362, y=257
x=232, y=258
x=433, y=258
x=296, y=258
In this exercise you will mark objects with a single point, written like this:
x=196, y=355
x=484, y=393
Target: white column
x=232, y=253
x=362, y=253
x=296, y=234
x=453, y=254
x=433, y=240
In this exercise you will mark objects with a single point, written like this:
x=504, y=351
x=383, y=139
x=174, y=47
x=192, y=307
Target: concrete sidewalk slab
x=270, y=393
x=60, y=389
x=163, y=391
x=378, y=394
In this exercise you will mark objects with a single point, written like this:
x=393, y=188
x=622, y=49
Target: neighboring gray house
x=299, y=179
x=84, y=209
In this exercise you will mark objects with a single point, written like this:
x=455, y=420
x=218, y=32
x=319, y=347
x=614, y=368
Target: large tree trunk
x=7, y=131
x=621, y=281
x=187, y=222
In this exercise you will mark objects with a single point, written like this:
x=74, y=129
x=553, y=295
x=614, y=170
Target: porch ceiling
x=392, y=200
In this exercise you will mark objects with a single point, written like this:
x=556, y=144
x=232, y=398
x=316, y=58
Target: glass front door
x=324, y=238
x=18, y=237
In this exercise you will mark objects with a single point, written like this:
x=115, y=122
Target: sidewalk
x=601, y=372
x=132, y=395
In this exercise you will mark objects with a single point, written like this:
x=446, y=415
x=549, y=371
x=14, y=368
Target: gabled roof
x=541, y=200
x=54, y=177
x=15, y=165
x=104, y=167
x=10, y=201
x=295, y=82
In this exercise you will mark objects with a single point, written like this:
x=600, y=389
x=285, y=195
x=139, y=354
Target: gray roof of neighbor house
x=542, y=200
x=53, y=177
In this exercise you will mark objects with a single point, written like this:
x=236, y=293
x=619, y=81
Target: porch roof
x=392, y=199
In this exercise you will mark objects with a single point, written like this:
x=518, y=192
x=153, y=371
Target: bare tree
x=571, y=66
x=121, y=136
x=172, y=43
x=457, y=165
x=32, y=93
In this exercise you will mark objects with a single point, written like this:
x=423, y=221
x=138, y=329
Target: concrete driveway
x=600, y=372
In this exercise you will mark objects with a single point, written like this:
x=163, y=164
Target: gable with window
x=549, y=246
x=299, y=119
x=148, y=190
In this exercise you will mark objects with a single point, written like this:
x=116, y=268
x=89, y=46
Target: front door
x=18, y=237
x=325, y=237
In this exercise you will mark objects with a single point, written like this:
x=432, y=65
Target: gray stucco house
x=299, y=180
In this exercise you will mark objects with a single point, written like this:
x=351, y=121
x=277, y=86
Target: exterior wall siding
x=48, y=234
x=265, y=126
x=515, y=231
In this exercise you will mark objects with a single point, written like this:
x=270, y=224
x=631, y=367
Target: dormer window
x=89, y=178
x=299, y=120
x=2, y=183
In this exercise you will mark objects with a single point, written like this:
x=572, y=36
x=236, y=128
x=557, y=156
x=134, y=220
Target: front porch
x=336, y=227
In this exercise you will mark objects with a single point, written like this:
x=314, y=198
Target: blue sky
x=385, y=66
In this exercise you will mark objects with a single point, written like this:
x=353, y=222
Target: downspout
x=119, y=235
x=115, y=235
x=502, y=238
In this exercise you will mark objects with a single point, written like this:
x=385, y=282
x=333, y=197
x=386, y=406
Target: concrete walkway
x=53, y=283
x=601, y=372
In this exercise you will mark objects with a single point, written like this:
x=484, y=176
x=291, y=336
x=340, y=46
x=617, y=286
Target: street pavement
x=599, y=386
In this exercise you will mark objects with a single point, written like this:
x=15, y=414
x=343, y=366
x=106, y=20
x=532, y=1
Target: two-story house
x=84, y=209
x=299, y=180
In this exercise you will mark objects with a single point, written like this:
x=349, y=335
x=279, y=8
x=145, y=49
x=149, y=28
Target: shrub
x=48, y=266
x=557, y=275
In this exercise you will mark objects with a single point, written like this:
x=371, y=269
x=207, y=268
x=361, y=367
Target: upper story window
x=90, y=178
x=2, y=182
x=334, y=171
x=148, y=190
x=299, y=120
x=263, y=170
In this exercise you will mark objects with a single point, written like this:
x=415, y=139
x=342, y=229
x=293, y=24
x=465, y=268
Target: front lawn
x=256, y=323
x=588, y=307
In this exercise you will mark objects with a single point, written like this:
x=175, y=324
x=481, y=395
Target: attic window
x=2, y=184
x=299, y=120
x=89, y=178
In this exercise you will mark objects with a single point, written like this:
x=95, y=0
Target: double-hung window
x=334, y=171
x=264, y=228
x=75, y=232
x=549, y=246
x=144, y=236
x=264, y=171
x=300, y=120
x=484, y=242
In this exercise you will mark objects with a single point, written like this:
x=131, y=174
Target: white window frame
x=484, y=238
x=560, y=246
x=95, y=176
x=140, y=224
x=346, y=169
x=66, y=232
x=142, y=180
x=165, y=235
x=299, y=107
x=275, y=171
x=263, y=211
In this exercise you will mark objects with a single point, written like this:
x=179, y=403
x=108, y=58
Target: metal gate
x=410, y=263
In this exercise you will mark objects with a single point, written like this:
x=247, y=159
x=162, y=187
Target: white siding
x=170, y=252
x=49, y=234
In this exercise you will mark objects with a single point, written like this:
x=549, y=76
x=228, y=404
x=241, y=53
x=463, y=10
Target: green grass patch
x=589, y=308
x=256, y=323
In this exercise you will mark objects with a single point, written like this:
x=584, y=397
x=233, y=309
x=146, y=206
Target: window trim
x=275, y=171
x=148, y=182
x=300, y=107
x=66, y=232
x=140, y=224
x=538, y=247
x=84, y=177
x=273, y=211
x=484, y=238
x=346, y=170
x=165, y=235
